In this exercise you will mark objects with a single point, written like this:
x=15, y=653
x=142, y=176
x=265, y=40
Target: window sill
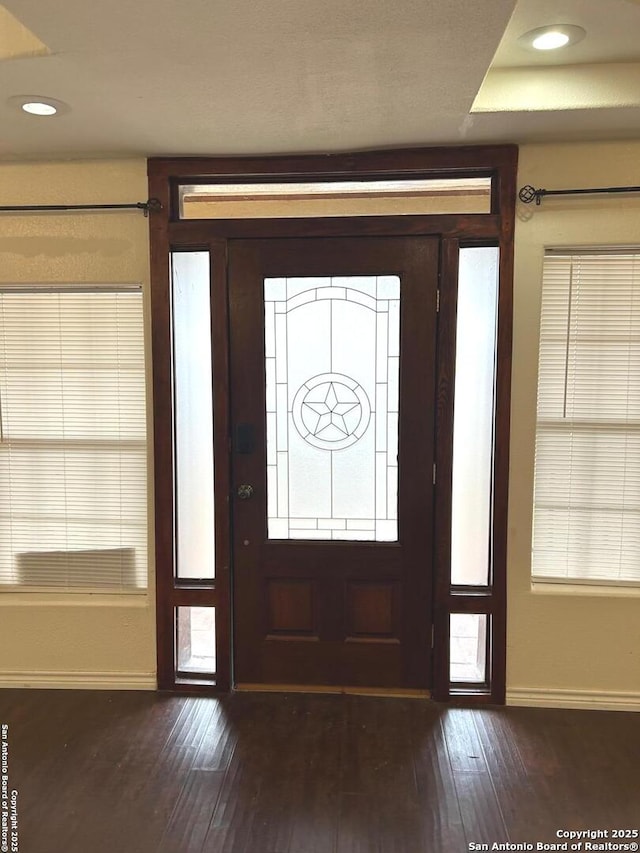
x=587, y=589
x=12, y=597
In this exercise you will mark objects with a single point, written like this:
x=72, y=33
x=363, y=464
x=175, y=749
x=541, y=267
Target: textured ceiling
x=181, y=77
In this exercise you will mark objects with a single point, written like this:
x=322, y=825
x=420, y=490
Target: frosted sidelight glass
x=193, y=415
x=473, y=416
x=196, y=640
x=468, y=647
x=332, y=348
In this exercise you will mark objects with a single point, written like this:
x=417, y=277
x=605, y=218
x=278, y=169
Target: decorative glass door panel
x=332, y=355
x=332, y=347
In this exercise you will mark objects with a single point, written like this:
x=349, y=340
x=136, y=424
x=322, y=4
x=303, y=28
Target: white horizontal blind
x=587, y=478
x=73, y=438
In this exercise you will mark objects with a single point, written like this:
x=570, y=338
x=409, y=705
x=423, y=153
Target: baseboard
x=80, y=680
x=596, y=700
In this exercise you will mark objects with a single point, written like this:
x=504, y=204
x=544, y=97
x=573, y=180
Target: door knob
x=245, y=491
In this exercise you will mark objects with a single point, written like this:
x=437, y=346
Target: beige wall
x=565, y=646
x=65, y=639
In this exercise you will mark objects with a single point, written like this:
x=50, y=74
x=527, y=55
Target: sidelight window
x=474, y=402
x=193, y=415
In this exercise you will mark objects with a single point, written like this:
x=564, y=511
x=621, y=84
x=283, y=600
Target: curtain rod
x=152, y=204
x=528, y=193
x=36, y=289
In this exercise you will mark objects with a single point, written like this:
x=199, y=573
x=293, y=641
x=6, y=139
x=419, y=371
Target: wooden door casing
x=169, y=232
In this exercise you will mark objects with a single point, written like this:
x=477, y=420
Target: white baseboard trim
x=80, y=680
x=539, y=697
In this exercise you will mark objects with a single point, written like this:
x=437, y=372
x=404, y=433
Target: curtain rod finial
x=528, y=194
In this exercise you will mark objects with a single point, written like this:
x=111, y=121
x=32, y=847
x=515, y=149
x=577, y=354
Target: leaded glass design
x=332, y=348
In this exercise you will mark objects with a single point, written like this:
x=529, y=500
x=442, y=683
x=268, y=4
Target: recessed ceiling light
x=552, y=37
x=39, y=108
x=37, y=105
x=547, y=41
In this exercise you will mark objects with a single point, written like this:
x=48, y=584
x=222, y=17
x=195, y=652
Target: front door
x=332, y=354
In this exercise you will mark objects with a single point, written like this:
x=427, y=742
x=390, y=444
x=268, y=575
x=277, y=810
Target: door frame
x=168, y=233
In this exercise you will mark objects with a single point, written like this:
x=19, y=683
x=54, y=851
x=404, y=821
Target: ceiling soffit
x=16, y=41
x=601, y=72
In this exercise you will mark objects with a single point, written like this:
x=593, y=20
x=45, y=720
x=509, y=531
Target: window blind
x=73, y=489
x=587, y=470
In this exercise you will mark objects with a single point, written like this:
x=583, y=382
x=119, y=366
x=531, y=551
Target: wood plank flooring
x=294, y=773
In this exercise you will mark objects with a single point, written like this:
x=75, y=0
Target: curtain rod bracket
x=152, y=205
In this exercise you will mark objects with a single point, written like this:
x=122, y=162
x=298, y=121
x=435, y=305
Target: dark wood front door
x=332, y=355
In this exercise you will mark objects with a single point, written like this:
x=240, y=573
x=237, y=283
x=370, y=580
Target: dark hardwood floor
x=294, y=773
